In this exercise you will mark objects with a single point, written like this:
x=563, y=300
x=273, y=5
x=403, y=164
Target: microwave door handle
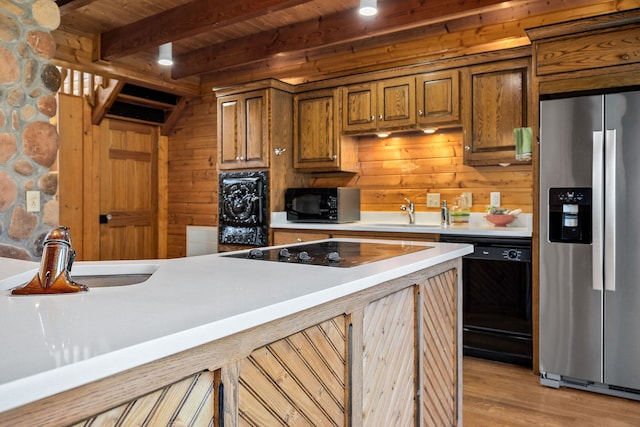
x=610, y=212
x=597, y=252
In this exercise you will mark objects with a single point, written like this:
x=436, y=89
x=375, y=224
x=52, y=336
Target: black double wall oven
x=496, y=300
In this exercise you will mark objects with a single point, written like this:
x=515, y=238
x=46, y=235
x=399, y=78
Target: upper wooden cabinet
x=254, y=120
x=496, y=106
x=438, y=98
x=384, y=105
x=318, y=144
x=243, y=130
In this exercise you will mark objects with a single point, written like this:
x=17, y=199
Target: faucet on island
x=409, y=208
x=55, y=266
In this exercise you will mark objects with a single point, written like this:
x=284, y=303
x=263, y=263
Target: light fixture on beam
x=165, y=56
x=368, y=7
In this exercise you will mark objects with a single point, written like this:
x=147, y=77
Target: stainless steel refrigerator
x=590, y=243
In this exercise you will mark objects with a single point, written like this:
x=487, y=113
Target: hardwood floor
x=497, y=394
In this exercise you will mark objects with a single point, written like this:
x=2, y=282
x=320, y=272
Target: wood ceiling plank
x=184, y=21
x=68, y=6
x=326, y=31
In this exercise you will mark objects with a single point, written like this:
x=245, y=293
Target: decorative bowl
x=500, y=220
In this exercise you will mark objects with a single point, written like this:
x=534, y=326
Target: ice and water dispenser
x=570, y=215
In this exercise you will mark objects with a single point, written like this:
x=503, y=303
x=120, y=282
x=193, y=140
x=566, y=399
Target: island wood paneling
x=192, y=174
x=413, y=165
x=298, y=380
x=186, y=403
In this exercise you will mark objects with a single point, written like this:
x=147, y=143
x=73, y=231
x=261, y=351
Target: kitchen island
x=226, y=338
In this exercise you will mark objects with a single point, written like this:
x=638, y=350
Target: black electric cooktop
x=330, y=253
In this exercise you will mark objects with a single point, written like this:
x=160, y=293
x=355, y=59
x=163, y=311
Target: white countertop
x=52, y=343
x=426, y=222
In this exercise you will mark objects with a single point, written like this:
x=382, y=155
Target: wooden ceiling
x=218, y=43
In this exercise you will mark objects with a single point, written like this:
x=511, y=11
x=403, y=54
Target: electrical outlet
x=468, y=199
x=33, y=201
x=433, y=200
x=494, y=199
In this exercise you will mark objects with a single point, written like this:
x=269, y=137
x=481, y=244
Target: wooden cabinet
x=254, y=124
x=438, y=98
x=289, y=237
x=318, y=144
x=497, y=105
x=243, y=130
x=596, y=53
x=376, y=106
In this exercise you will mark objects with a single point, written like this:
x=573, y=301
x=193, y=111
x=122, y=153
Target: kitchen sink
x=94, y=275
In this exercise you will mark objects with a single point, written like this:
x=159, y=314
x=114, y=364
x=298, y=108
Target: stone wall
x=28, y=140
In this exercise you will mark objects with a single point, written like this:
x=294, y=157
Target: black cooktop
x=333, y=253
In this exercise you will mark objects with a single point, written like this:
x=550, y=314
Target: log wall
x=410, y=165
x=192, y=173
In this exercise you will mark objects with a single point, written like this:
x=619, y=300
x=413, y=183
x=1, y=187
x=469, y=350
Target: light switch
x=433, y=200
x=33, y=201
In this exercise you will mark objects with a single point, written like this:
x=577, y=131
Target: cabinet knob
x=372, y=118
x=420, y=113
x=279, y=151
x=299, y=240
x=624, y=57
x=335, y=156
x=467, y=147
x=380, y=117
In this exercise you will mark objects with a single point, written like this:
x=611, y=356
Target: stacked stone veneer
x=28, y=141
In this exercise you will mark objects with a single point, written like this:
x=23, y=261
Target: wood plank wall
x=413, y=165
x=390, y=169
x=192, y=175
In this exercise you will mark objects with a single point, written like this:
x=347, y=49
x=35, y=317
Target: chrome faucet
x=409, y=208
x=57, y=259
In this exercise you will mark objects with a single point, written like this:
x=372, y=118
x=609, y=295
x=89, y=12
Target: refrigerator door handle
x=597, y=250
x=610, y=211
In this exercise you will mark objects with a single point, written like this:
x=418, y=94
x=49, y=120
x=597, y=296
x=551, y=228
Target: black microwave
x=324, y=205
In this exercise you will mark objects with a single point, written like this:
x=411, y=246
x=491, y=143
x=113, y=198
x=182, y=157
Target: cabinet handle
x=625, y=57
x=279, y=151
x=299, y=240
x=420, y=113
x=372, y=118
x=467, y=147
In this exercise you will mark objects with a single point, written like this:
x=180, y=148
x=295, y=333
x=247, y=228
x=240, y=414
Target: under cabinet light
x=368, y=7
x=383, y=135
x=429, y=130
x=165, y=56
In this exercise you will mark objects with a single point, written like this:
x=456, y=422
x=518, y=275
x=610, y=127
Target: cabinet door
x=315, y=131
x=498, y=106
x=438, y=98
x=228, y=131
x=256, y=132
x=318, y=145
x=360, y=108
x=396, y=104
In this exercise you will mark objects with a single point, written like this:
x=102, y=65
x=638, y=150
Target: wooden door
x=397, y=103
x=128, y=191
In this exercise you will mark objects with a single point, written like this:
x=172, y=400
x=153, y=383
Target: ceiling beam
x=339, y=28
x=68, y=6
x=184, y=21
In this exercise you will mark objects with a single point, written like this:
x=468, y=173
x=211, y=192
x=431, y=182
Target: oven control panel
x=502, y=253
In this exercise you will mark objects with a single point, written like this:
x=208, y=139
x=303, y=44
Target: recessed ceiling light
x=368, y=7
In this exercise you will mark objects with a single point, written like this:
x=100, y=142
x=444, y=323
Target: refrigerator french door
x=590, y=242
